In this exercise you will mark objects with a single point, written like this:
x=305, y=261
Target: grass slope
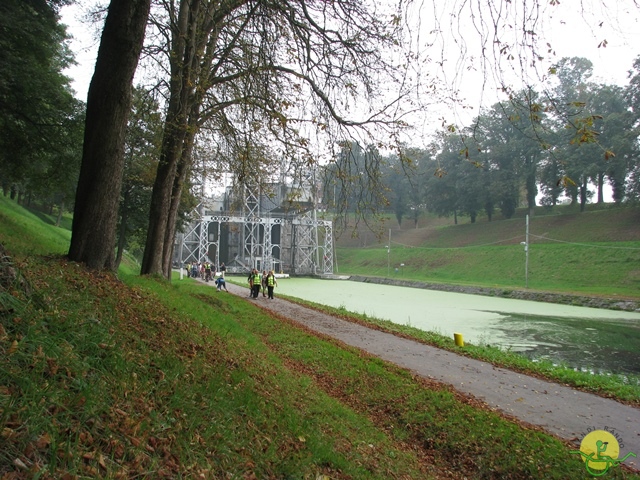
x=133, y=377
x=590, y=253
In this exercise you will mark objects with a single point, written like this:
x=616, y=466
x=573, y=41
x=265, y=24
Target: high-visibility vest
x=270, y=280
x=256, y=278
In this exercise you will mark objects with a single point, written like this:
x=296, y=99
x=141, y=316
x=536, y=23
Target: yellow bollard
x=457, y=338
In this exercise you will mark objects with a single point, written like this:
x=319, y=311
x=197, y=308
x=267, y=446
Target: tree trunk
x=175, y=132
x=583, y=194
x=172, y=217
x=152, y=259
x=184, y=166
x=122, y=234
x=600, y=187
x=108, y=105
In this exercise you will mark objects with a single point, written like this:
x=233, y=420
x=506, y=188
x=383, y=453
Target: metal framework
x=298, y=244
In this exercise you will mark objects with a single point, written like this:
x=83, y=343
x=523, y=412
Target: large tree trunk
x=172, y=215
x=184, y=166
x=108, y=105
x=152, y=260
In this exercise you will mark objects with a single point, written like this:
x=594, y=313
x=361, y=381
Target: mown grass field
x=596, y=252
x=105, y=376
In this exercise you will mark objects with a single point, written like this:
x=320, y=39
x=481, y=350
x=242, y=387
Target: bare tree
x=266, y=73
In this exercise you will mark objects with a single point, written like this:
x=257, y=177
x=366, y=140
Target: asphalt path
x=568, y=413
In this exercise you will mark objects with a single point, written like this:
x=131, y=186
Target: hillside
x=606, y=223
x=594, y=253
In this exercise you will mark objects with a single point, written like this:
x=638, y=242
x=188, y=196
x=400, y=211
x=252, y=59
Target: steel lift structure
x=260, y=235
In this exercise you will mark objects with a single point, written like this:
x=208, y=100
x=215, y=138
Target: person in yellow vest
x=256, y=283
x=271, y=283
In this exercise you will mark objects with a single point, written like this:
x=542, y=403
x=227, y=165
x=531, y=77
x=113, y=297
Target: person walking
x=263, y=283
x=223, y=269
x=250, y=280
x=257, y=281
x=271, y=283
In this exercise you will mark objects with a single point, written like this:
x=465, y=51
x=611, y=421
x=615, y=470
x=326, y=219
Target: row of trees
x=577, y=137
x=41, y=122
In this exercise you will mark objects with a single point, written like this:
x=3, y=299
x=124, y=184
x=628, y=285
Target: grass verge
x=625, y=388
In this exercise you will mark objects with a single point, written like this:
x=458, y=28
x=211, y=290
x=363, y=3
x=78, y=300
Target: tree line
x=41, y=122
x=569, y=142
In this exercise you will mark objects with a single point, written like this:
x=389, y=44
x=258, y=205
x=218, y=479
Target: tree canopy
x=40, y=120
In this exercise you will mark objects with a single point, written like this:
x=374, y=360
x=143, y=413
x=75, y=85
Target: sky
x=571, y=27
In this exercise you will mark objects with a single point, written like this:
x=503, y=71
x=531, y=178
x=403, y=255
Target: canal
x=589, y=339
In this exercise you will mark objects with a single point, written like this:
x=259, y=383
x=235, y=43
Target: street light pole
x=389, y=254
x=526, y=255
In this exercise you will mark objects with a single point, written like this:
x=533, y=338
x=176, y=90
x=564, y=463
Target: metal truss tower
x=294, y=243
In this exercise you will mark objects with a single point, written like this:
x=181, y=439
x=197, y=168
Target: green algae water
x=589, y=339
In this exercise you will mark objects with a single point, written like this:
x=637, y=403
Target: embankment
x=535, y=296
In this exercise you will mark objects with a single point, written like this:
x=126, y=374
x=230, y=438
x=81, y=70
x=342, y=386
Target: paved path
x=563, y=411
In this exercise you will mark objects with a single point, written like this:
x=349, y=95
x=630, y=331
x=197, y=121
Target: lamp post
x=388, y=253
x=526, y=255
x=388, y=261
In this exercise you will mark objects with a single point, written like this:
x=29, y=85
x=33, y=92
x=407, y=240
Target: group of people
x=205, y=270
x=265, y=282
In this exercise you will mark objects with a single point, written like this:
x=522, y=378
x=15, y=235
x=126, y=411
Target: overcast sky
x=570, y=31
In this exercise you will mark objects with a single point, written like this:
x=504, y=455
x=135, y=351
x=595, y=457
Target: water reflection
x=591, y=344
x=580, y=337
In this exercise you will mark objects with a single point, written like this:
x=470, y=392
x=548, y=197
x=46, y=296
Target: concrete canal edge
x=535, y=296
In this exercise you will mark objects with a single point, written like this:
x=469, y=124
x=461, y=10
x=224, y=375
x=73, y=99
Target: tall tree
x=108, y=105
x=573, y=117
x=256, y=72
x=443, y=194
x=612, y=156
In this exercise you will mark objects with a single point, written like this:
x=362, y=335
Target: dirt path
x=570, y=414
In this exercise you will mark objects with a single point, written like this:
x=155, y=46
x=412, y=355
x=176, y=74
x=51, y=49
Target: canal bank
x=516, y=294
